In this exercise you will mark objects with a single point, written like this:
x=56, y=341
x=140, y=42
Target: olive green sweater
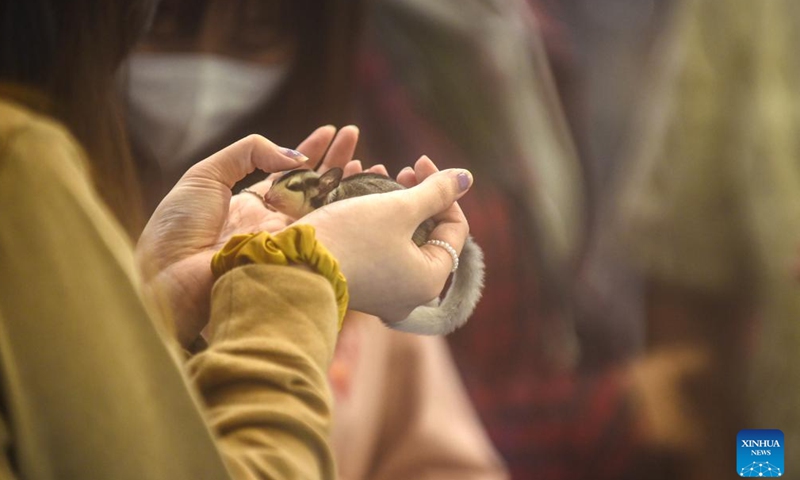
x=91, y=386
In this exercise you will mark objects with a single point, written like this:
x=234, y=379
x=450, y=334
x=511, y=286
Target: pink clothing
x=401, y=411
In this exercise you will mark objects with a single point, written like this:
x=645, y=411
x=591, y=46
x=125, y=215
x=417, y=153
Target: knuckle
x=253, y=139
x=252, y=143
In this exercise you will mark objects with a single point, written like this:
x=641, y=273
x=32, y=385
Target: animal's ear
x=330, y=180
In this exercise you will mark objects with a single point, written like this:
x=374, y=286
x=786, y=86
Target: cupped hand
x=200, y=214
x=387, y=274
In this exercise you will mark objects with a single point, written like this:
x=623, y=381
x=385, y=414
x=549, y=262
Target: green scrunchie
x=296, y=244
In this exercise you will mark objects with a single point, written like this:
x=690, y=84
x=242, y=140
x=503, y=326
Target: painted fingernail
x=294, y=154
x=464, y=180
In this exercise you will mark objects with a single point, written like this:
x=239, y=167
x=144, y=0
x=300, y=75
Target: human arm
x=199, y=214
x=401, y=411
x=430, y=430
x=263, y=383
x=408, y=275
x=92, y=389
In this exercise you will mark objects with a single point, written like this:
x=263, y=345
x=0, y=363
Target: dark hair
x=70, y=50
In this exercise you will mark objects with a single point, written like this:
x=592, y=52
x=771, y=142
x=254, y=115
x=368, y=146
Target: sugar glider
x=299, y=192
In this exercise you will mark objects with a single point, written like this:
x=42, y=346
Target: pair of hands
x=387, y=274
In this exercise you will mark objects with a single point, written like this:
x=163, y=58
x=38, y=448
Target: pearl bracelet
x=449, y=249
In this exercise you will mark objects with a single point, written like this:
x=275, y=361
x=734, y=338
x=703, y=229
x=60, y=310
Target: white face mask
x=179, y=103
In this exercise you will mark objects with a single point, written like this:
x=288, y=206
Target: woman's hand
x=200, y=214
x=387, y=274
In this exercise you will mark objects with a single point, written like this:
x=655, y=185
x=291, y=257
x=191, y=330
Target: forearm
x=431, y=427
x=263, y=376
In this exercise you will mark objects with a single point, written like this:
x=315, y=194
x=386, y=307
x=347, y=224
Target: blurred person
x=401, y=410
x=93, y=386
x=598, y=49
x=209, y=72
x=471, y=82
x=710, y=213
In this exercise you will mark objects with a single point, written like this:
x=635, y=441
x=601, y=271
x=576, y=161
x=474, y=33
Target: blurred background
x=636, y=197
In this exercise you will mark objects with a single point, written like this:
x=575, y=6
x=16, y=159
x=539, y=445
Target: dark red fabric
x=546, y=425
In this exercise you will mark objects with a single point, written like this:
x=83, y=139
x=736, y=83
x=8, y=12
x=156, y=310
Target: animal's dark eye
x=295, y=187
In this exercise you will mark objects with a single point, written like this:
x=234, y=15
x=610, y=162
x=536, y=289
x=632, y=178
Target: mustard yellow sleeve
x=91, y=388
x=263, y=376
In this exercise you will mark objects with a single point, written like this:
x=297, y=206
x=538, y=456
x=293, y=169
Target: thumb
x=439, y=191
x=236, y=161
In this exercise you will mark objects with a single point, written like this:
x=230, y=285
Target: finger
x=311, y=144
x=407, y=177
x=452, y=228
x=438, y=192
x=341, y=150
x=439, y=257
x=236, y=161
x=352, y=167
x=379, y=169
x=424, y=168
x=316, y=144
x=449, y=222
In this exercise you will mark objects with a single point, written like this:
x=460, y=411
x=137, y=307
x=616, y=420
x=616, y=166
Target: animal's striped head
x=298, y=192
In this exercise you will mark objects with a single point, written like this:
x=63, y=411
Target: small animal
x=298, y=192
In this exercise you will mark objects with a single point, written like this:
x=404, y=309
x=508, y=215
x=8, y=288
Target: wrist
x=295, y=246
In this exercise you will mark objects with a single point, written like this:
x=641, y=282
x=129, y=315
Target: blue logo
x=759, y=453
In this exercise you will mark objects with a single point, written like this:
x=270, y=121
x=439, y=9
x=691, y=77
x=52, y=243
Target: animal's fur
x=300, y=192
